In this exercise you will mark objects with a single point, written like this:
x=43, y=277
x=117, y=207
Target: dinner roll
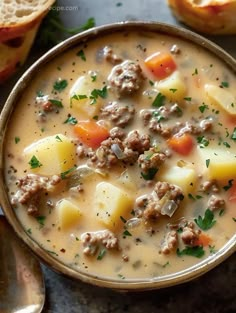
x=19, y=22
x=206, y=16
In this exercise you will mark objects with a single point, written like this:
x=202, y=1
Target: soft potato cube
x=56, y=154
x=68, y=214
x=183, y=177
x=80, y=96
x=221, y=162
x=110, y=203
x=173, y=87
x=221, y=97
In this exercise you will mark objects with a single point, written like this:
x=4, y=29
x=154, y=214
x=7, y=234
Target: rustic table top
x=212, y=293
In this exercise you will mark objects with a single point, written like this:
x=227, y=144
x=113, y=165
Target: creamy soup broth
x=167, y=201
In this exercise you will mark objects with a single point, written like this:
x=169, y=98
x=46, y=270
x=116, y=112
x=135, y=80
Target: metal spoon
x=22, y=288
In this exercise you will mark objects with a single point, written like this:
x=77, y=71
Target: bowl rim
x=132, y=284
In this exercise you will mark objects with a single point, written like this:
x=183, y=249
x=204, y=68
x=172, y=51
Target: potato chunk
x=56, y=154
x=110, y=203
x=221, y=97
x=220, y=161
x=68, y=214
x=173, y=87
x=80, y=96
x=183, y=177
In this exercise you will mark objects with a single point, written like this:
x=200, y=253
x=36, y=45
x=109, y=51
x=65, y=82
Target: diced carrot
x=232, y=193
x=91, y=133
x=161, y=64
x=203, y=240
x=181, y=144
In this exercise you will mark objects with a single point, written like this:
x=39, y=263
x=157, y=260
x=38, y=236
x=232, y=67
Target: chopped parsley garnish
x=222, y=212
x=233, y=136
x=121, y=276
x=17, y=139
x=52, y=252
x=41, y=220
x=71, y=120
x=57, y=103
x=159, y=100
x=224, y=85
x=64, y=174
x=157, y=115
x=29, y=231
x=77, y=97
x=94, y=77
x=234, y=219
x=101, y=254
x=173, y=90
x=230, y=184
x=203, y=107
x=197, y=197
x=34, y=162
x=196, y=251
x=39, y=94
x=207, y=162
x=225, y=143
x=191, y=196
x=151, y=83
x=126, y=233
x=188, y=98
x=212, y=249
x=207, y=221
x=202, y=141
x=179, y=111
x=81, y=54
x=195, y=72
x=123, y=219
x=102, y=93
x=150, y=174
x=58, y=138
x=166, y=264
x=60, y=85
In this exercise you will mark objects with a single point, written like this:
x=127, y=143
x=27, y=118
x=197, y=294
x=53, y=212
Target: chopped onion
x=82, y=172
x=169, y=208
x=133, y=222
x=117, y=151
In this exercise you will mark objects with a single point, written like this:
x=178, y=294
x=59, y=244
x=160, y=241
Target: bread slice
x=206, y=16
x=19, y=22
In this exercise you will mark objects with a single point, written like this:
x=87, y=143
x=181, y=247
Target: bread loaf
x=19, y=22
x=206, y=16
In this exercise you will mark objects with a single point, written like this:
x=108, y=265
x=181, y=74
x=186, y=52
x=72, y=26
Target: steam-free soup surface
x=121, y=156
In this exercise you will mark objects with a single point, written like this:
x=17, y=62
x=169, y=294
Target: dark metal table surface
x=214, y=292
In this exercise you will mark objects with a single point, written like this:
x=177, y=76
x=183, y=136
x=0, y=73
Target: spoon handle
x=21, y=280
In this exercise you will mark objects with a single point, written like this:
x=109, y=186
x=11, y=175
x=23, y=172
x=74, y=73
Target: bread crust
x=17, y=33
x=14, y=26
x=210, y=17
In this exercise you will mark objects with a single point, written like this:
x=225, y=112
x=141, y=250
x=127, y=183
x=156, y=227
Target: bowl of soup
x=118, y=156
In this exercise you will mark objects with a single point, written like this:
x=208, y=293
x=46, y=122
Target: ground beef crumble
x=150, y=206
x=93, y=240
x=170, y=242
x=189, y=234
x=110, y=56
x=119, y=113
x=126, y=78
x=215, y=202
x=30, y=188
